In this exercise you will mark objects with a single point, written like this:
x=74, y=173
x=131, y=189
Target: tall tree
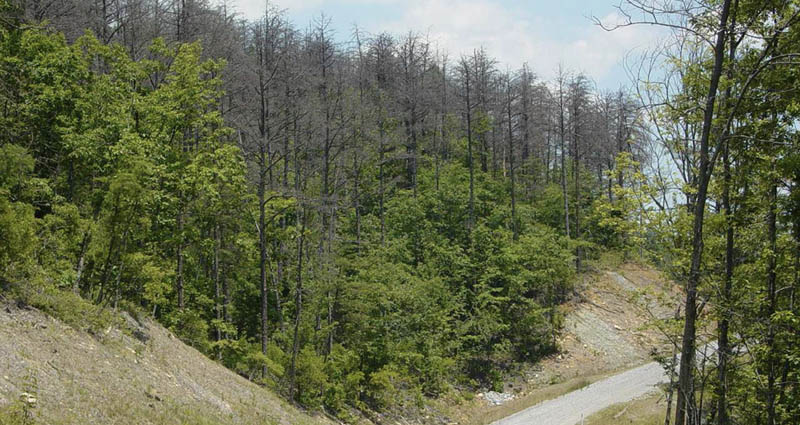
x=465, y=74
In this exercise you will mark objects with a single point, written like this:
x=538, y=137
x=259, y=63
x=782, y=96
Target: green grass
x=644, y=411
x=17, y=413
x=69, y=308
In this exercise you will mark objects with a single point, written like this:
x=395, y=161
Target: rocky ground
x=613, y=325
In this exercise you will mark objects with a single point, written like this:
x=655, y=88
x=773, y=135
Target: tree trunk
x=121, y=266
x=381, y=177
x=298, y=305
x=76, y=286
x=724, y=350
x=576, y=175
x=411, y=150
x=547, y=157
x=514, y=229
x=262, y=250
x=217, y=285
x=494, y=151
x=470, y=162
x=226, y=300
x=621, y=136
x=277, y=284
x=561, y=133
x=671, y=387
x=179, y=265
x=356, y=196
x=442, y=123
x=723, y=343
x=685, y=403
x=771, y=298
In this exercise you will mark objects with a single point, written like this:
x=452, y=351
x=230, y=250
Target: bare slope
x=609, y=328
x=115, y=378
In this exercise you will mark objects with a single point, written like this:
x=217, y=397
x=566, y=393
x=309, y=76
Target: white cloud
x=513, y=38
x=463, y=25
x=255, y=8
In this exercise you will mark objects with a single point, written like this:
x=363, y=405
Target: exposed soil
x=608, y=328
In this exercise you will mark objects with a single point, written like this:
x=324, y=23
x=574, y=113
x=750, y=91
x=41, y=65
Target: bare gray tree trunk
x=298, y=305
x=470, y=162
x=514, y=229
x=562, y=138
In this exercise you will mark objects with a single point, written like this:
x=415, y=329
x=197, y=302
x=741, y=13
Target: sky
x=542, y=33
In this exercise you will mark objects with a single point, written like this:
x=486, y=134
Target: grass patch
x=17, y=413
x=69, y=308
x=644, y=411
x=605, y=259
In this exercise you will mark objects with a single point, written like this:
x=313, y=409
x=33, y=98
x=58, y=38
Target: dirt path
x=570, y=408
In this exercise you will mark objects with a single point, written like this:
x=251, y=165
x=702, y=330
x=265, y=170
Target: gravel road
x=570, y=408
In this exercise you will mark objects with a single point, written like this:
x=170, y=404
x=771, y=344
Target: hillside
x=137, y=373
x=387, y=220
x=609, y=327
x=613, y=324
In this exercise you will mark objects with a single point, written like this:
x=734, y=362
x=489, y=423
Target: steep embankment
x=143, y=375
x=613, y=325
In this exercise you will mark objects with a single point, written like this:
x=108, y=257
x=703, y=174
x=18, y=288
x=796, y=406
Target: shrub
x=381, y=389
x=192, y=329
x=69, y=308
x=310, y=378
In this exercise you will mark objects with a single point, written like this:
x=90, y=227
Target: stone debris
x=496, y=399
x=28, y=399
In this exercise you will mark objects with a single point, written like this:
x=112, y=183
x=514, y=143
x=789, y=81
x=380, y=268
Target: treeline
x=356, y=224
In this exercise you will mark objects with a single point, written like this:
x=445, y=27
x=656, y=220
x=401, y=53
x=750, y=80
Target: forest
x=363, y=221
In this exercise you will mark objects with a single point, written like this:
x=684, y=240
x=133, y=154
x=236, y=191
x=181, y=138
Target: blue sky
x=542, y=33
